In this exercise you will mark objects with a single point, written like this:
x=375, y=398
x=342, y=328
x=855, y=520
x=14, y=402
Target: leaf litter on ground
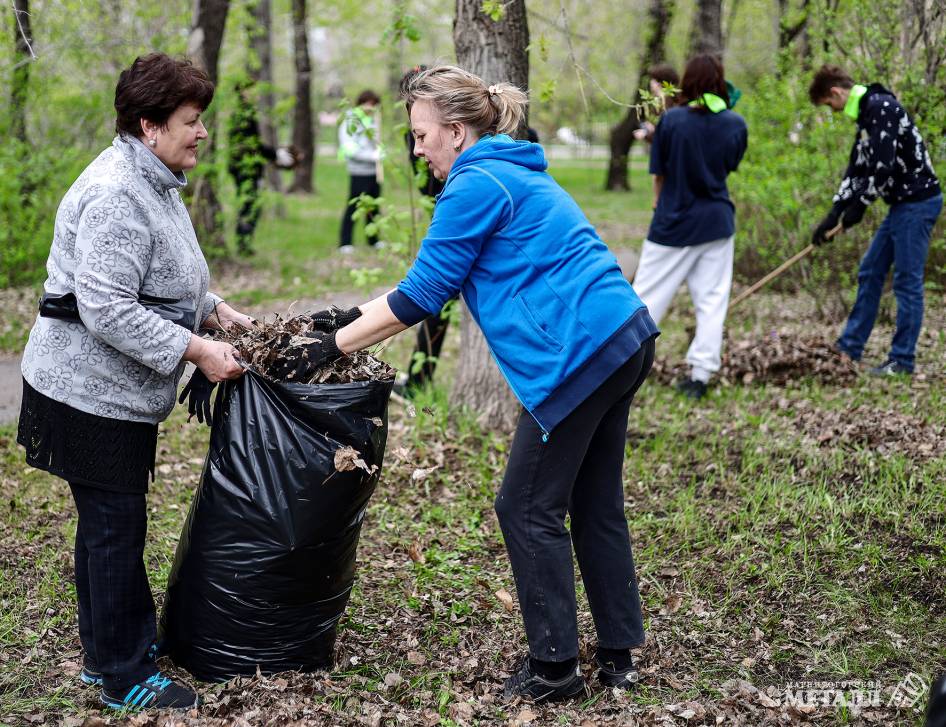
x=779, y=358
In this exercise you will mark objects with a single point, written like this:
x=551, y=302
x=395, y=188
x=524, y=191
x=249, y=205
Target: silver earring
x=153, y=142
x=456, y=148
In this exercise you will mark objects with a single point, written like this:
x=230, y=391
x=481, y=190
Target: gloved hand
x=853, y=214
x=334, y=318
x=198, y=392
x=304, y=358
x=819, y=236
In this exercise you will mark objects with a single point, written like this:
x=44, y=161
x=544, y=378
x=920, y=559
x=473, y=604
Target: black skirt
x=86, y=449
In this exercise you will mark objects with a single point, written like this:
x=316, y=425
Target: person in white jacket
x=360, y=146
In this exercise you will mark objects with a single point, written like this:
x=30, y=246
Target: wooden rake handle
x=755, y=287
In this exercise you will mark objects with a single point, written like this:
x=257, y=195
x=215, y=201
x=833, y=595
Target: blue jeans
x=902, y=240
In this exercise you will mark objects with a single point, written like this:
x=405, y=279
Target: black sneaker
x=691, y=388
x=155, y=692
x=611, y=677
x=526, y=683
x=891, y=368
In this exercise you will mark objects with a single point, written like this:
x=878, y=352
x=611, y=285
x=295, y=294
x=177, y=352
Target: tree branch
x=19, y=24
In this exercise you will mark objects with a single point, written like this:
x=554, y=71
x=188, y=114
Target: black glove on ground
x=198, y=392
x=303, y=359
x=334, y=318
x=853, y=214
x=819, y=236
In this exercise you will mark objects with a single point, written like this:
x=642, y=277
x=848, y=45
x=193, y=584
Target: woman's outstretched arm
x=377, y=322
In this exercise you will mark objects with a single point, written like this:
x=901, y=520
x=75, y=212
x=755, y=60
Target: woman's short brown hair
x=825, y=79
x=153, y=87
x=704, y=74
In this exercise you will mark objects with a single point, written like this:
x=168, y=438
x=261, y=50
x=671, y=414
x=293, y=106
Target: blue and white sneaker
x=91, y=677
x=155, y=692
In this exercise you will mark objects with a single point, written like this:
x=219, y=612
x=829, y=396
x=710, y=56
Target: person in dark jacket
x=247, y=161
x=573, y=341
x=432, y=331
x=888, y=160
x=691, y=236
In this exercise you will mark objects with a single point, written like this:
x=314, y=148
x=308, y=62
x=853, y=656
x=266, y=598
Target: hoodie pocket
x=537, y=324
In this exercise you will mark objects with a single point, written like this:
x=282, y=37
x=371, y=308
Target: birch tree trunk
x=303, y=136
x=496, y=51
x=203, y=47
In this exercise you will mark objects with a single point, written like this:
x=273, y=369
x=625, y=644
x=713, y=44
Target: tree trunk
x=790, y=29
x=659, y=16
x=261, y=71
x=203, y=47
x=496, y=51
x=303, y=137
x=22, y=58
x=706, y=33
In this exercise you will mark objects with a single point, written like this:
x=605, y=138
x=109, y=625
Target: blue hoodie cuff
x=405, y=309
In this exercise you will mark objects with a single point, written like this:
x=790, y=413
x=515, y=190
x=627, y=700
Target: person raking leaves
x=888, y=160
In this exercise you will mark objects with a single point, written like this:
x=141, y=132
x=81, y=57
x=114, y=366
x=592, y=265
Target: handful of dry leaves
x=269, y=344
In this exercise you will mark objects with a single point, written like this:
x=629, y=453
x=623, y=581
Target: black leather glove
x=302, y=359
x=334, y=318
x=853, y=214
x=198, y=392
x=820, y=235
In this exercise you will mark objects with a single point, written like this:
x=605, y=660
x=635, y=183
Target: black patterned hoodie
x=889, y=158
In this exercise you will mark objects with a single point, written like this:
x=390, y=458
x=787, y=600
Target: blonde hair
x=462, y=97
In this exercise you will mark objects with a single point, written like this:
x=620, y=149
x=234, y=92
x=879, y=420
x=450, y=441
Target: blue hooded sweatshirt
x=555, y=309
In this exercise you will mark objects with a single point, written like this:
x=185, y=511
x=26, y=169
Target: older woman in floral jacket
x=125, y=294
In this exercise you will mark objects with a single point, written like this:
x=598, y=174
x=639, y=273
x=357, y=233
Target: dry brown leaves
x=269, y=344
x=885, y=431
x=779, y=358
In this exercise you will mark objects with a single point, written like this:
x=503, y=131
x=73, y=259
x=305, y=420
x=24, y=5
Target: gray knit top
x=121, y=231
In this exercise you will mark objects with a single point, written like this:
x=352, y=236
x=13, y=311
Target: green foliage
x=28, y=202
x=495, y=10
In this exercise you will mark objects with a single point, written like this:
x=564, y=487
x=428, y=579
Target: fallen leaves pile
x=269, y=344
x=884, y=431
x=778, y=358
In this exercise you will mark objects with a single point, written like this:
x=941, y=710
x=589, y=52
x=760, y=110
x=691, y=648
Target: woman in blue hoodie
x=572, y=339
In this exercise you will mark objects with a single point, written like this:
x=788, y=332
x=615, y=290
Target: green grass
x=762, y=555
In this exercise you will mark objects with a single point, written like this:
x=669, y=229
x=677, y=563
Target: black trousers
x=359, y=185
x=116, y=609
x=579, y=472
x=248, y=214
x=430, y=335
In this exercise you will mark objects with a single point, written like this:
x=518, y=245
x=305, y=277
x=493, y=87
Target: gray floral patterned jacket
x=121, y=231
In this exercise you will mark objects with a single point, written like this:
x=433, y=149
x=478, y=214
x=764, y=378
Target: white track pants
x=707, y=270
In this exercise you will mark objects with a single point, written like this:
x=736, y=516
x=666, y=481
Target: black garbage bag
x=266, y=560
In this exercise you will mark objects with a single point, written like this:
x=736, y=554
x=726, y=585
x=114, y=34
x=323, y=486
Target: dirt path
x=11, y=381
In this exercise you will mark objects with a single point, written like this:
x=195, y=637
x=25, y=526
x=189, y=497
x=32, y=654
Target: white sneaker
x=346, y=249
